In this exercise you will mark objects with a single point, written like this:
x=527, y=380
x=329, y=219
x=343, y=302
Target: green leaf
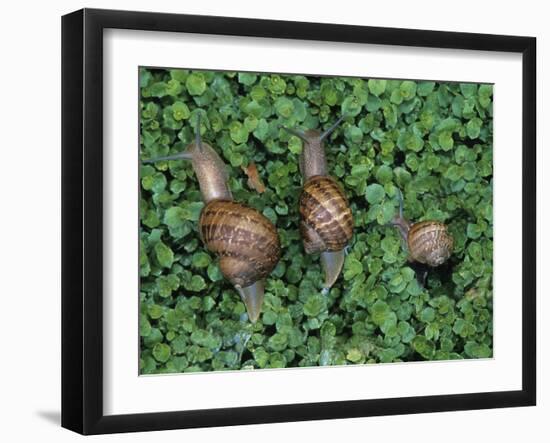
x=485, y=92
x=238, y=132
x=269, y=318
x=355, y=134
x=208, y=303
x=164, y=255
x=154, y=337
x=161, y=352
x=384, y=174
x=151, y=219
x=423, y=346
x=277, y=85
x=380, y=312
x=144, y=326
x=410, y=142
x=144, y=77
x=446, y=141
x=174, y=217
x=314, y=305
x=195, y=84
x=262, y=130
x=360, y=171
x=261, y=357
x=158, y=89
x=197, y=283
x=473, y=231
x=473, y=127
x=284, y=107
x=167, y=284
x=352, y=268
x=214, y=272
x=180, y=111
x=173, y=87
x=193, y=211
x=407, y=89
x=179, y=74
x=200, y=260
x=396, y=97
x=477, y=350
x=247, y=78
x=277, y=360
x=205, y=339
x=155, y=311
x=406, y=331
x=427, y=315
x=373, y=103
x=468, y=89
x=351, y=106
x=278, y=342
x=270, y=214
x=425, y=88
x=354, y=355
x=377, y=87
x=375, y=193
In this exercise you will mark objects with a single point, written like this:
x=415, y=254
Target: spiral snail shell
x=246, y=241
x=326, y=221
x=428, y=242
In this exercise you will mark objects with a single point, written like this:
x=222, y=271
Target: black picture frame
x=82, y=215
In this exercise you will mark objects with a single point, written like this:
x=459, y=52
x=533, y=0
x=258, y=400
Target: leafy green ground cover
x=432, y=140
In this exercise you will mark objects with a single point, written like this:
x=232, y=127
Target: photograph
x=297, y=217
x=293, y=221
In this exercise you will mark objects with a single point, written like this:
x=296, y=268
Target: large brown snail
x=326, y=223
x=244, y=239
x=428, y=242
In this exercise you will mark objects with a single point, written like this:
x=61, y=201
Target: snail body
x=326, y=220
x=245, y=241
x=428, y=242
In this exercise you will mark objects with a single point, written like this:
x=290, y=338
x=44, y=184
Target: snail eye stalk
x=180, y=156
x=331, y=129
x=400, y=199
x=295, y=132
x=198, y=140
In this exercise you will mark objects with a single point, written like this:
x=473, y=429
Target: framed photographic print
x=271, y=221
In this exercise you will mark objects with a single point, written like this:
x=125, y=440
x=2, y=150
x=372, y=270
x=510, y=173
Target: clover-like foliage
x=431, y=140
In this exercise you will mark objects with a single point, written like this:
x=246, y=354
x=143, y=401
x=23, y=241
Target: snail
x=246, y=241
x=428, y=242
x=326, y=221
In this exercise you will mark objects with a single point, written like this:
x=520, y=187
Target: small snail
x=244, y=239
x=326, y=222
x=428, y=242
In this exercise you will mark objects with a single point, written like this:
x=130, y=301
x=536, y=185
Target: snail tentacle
x=400, y=199
x=300, y=134
x=400, y=222
x=198, y=140
x=179, y=156
x=331, y=129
